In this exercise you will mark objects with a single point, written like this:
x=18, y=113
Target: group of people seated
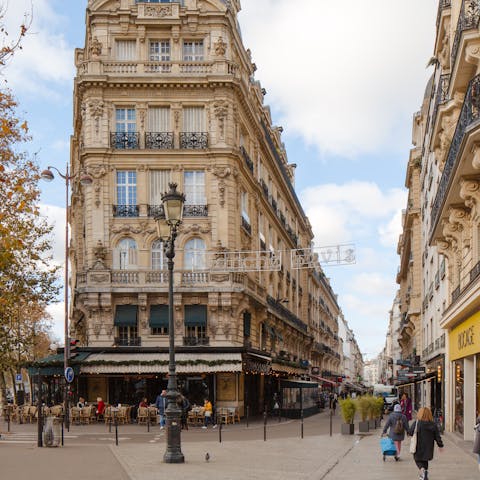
x=100, y=406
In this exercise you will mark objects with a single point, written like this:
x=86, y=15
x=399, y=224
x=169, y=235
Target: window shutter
x=159, y=119
x=132, y=258
x=194, y=119
x=159, y=180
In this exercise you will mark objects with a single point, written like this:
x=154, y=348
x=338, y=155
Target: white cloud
x=56, y=217
x=45, y=59
x=390, y=232
x=348, y=212
x=57, y=312
x=372, y=284
x=345, y=77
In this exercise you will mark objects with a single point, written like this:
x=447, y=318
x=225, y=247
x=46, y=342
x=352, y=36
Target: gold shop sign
x=465, y=338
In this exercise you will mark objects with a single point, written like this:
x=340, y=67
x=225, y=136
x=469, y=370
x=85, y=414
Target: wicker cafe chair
x=142, y=415
x=75, y=415
x=222, y=415
x=153, y=413
x=108, y=414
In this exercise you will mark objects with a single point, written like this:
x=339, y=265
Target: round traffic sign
x=69, y=374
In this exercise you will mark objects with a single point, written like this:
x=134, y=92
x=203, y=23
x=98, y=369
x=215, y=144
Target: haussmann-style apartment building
x=165, y=92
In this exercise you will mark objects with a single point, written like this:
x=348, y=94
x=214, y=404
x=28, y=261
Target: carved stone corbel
x=472, y=52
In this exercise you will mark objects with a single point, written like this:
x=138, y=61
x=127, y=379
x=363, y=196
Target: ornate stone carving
x=158, y=11
x=444, y=54
x=222, y=173
x=470, y=192
x=220, y=47
x=97, y=327
x=100, y=253
x=95, y=47
x=136, y=229
x=100, y=277
x=109, y=329
x=195, y=228
x=96, y=112
x=221, y=113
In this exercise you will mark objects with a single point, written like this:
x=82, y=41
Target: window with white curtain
x=158, y=119
x=125, y=254
x=125, y=120
x=244, y=206
x=194, y=187
x=194, y=254
x=159, y=180
x=125, y=50
x=159, y=262
x=194, y=119
x=261, y=228
x=193, y=51
x=160, y=51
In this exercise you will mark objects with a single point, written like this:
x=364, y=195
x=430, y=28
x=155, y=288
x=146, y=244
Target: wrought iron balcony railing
x=441, y=96
x=156, y=211
x=125, y=210
x=193, y=140
x=467, y=20
x=469, y=114
x=159, y=140
x=195, y=211
x=247, y=159
x=246, y=226
x=128, y=342
x=195, y=341
x=276, y=305
x=124, y=140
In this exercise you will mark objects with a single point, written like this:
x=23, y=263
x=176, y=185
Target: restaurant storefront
x=464, y=356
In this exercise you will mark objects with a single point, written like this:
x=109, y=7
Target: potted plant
x=379, y=404
x=372, y=412
x=347, y=410
x=363, y=406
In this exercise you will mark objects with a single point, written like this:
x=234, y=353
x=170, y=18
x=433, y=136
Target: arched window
x=194, y=258
x=125, y=255
x=159, y=262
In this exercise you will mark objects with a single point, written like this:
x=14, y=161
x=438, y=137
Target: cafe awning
x=126, y=315
x=159, y=316
x=324, y=380
x=138, y=363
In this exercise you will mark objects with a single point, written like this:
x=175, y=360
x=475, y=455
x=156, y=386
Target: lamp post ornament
x=173, y=206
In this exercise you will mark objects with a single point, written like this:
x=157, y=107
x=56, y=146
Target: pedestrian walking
x=208, y=412
x=406, y=404
x=427, y=433
x=161, y=404
x=476, y=442
x=333, y=403
x=397, y=425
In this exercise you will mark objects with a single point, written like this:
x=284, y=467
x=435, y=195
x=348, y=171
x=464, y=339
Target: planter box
x=372, y=424
x=363, y=427
x=378, y=422
x=348, y=428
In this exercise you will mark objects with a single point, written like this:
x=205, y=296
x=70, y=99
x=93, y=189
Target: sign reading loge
x=69, y=374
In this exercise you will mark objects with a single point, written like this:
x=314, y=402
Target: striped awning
x=137, y=363
x=279, y=368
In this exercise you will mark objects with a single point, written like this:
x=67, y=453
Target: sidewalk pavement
x=314, y=458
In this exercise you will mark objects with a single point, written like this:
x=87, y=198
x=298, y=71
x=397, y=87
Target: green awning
x=126, y=316
x=53, y=364
x=158, y=316
x=195, y=315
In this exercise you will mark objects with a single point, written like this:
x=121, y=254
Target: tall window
x=194, y=187
x=160, y=51
x=195, y=321
x=194, y=254
x=244, y=206
x=158, y=119
x=125, y=255
x=125, y=50
x=125, y=120
x=193, y=51
x=159, y=180
x=158, y=256
x=126, y=188
x=194, y=119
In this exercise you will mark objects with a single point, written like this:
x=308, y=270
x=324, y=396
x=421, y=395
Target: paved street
x=90, y=452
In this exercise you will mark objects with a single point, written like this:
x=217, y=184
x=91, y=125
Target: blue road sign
x=69, y=374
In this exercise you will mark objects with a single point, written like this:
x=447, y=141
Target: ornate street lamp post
x=85, y=179
x=167, y=231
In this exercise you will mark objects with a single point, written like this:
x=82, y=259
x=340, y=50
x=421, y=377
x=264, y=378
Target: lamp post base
x=173, y=453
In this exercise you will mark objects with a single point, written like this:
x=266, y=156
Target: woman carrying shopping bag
x=424, y=432
x=397, y=422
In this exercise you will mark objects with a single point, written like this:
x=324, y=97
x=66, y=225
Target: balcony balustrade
x=279, y=308
x=246, y=226
x=193, y=140
x=247, y=159
x=159, y=140
x=125, y=210
x=195, y=341
x=128, y=342
x=125, y=140
x=441, y=96
x=195, y=211
x=467, y=20
x=156, y=211
x=469, y=114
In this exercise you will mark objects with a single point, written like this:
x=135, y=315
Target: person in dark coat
x=395, y=419
x=427, y=434
x=161, y=404
x=476, y=442
x=406, y=404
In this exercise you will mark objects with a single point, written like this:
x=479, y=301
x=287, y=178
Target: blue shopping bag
x=387, y=446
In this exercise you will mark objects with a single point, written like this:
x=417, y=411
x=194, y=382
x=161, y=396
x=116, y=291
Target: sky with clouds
x=342, y=78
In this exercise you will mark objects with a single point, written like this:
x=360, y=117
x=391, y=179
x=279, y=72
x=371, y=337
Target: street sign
x=69, y=374
x=418, y=370
x=18, y=378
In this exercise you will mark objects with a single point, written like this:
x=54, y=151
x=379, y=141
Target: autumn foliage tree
x=28, y=277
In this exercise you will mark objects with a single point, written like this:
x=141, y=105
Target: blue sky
x=342, y=78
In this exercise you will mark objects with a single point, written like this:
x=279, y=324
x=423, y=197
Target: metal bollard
x=63, y=420
x=331, y=417
x=220, y=432
x=301, y=423
x=265, y=426
x=248, y=411
x=148, y=422
x=8, y=422
x=116, y=431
